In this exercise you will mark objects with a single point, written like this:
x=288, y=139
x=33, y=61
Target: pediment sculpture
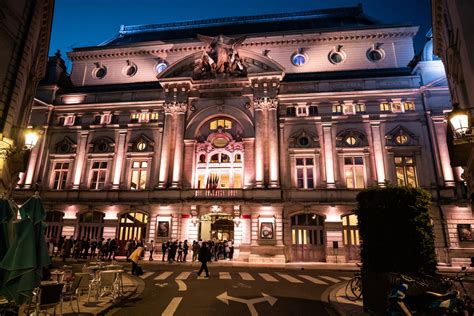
x=221, y=59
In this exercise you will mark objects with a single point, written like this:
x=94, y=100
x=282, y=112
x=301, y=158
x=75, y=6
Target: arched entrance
x=54, y=221
x=216, y=226
x=350, y=236
x=91, y=225
x=308, y=237
x=133, y=226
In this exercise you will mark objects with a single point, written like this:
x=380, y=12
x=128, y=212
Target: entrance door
x=350, y=235
x=308, y=238
x=214, y=226
x=132, y=227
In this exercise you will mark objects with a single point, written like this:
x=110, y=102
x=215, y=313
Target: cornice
x=281, y=40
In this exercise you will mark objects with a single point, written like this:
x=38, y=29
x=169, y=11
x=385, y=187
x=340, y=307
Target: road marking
x=202, y=277
x=310, y=278
x=225, y=298
x=268, y=277
x=246, y=276
x=224, y=275
x=329, y=278
x=181, y=285
x=163, y=276
x=345, y=278
x=146, y=275
x=172, y=306
x=289, y=278
x=183, y=275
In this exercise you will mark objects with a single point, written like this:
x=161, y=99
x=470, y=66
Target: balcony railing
x=218, y=193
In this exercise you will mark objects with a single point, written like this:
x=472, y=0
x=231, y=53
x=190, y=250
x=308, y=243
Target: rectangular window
x=98, y=175
x=405, y=170
x=305, y=173
x=302, y=111
x=313, y=110
x=337, y=108
x=360, y=108
x=397, y=107
x=237, y=181
x=348, y=109
x=134, y=117
x=291, y=111
x=69, y=120
x=105, y=118
x=139, y=173
x=144, y=117
x=384, y=107
x=409, y=106
x=354, y=172
x=96, y=120
x=154, y=116
x=60, y=172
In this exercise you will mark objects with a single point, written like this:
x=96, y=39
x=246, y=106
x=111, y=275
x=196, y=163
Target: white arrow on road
x=225, y=298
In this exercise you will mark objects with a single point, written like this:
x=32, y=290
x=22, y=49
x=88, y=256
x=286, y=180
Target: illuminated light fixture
x=459, y=120
x=31, y=138
x=7, y=149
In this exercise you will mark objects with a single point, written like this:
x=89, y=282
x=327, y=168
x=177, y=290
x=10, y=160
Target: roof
x=325, y=19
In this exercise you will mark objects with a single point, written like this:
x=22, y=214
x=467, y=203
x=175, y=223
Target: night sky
x=79, y=23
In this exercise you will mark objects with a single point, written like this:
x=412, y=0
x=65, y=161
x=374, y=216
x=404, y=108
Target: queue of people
x=82, y=248
x=177, y=251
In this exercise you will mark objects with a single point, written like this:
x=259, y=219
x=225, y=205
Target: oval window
x=374, y=55
x=298, y=59
x=141, y=145
x=100, y=72
x=351, y=140
x=130, y=70
x=159, y=68
x=220, y=142
x=303, y=141
x=336, y=57
x=401, y=139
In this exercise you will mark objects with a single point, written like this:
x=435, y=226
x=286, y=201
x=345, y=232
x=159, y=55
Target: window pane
x=136, y=164
x=300, y=178
x=309, y=178
x=142, y=180
x=398, y=160
x=358, y=161
x=302, y=219
x=213, y=125
x=309, y=161
x=353, y=220
x=408, y=160
x=348, y=160
x=411, y=177
x=359, y=175
x=348, y=173
x=299, y=161
x=95, y=165
x=134, y=182
x=144, y=164
x=400, y=176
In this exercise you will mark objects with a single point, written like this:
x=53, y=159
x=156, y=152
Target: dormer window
x=313, y=110
x=302, y=110
x=409, y=106
x=68, y=120
x=397, y=107
x=384, y=107
x=291, y=111
x=337, y=109
x=360, y=108
x=154, y=116
x=348, y=108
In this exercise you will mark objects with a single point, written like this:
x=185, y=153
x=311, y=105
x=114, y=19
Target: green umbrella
x=27, y=256
x=8, y=212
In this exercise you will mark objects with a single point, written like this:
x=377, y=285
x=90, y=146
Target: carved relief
x=171, y=108
x=351, y=138
x=400, y=136
x=265, y=103
x=303, y=139
x=66, y=146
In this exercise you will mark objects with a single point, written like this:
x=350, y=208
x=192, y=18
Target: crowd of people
x=177, y=251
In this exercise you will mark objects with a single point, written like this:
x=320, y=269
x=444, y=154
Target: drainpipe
x=432, y=149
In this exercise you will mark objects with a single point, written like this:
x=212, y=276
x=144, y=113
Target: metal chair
x=73, y=293
x=107, y=282
x=46, y=297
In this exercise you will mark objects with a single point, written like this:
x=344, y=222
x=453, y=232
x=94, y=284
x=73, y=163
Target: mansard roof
x=325, y=19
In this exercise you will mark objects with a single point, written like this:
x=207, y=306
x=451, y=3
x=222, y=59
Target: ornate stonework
x=175, y=107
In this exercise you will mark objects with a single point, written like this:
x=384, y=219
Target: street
x=177, y=290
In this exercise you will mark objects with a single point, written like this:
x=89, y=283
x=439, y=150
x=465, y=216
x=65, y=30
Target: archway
x=308, y=237
x=216, y=226
x=132, y=226
x=91, y=225
x=54, y=221
x=350, y=237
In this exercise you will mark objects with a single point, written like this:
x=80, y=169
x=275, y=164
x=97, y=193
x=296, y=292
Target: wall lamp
x=8, y=149
x=460, y=121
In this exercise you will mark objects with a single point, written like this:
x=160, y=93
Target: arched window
x=202, y=158
x=91, y=225
x=133, y=226
x=54, y=221
x=350, y=236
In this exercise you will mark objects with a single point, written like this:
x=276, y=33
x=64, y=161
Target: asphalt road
x=176, y=290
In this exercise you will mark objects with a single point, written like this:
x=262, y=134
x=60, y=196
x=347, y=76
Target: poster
x=163, y=228
x=266, y=230
x=465, y=232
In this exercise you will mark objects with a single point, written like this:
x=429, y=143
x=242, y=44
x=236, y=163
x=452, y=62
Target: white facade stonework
x=272, y=159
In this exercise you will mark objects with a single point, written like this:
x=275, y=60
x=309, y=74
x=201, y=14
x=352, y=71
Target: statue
x=221, y=59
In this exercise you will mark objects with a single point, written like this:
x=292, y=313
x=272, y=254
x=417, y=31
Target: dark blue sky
x=79, y=23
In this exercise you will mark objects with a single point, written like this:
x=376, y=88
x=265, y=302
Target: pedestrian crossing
x=274, y=277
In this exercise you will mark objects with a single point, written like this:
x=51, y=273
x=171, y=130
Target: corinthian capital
x=175, y=107
x=265, y=103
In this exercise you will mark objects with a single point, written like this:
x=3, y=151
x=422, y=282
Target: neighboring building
x=264, y=139
x=453, y=36
x=25, y=28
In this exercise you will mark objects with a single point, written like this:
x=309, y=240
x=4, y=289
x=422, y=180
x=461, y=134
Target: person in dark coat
x=164, y=246
x=204, y=257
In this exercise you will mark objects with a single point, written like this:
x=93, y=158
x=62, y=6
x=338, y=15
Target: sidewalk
x=337, y=299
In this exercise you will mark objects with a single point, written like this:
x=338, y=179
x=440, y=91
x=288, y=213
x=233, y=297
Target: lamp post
x=460, y=121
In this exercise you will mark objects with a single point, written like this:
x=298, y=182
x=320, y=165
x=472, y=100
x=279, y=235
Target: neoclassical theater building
x=259, y=129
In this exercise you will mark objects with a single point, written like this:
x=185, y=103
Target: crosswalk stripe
x=345, y=278
x=146, y=275
x=310, y=278
x=329, y=278
x=268, y=277
x=172, y=306
x=183, y=275
x=164, y=275
x=289, y=278
x=224, y=275
x=181, y=285
x=202, y=277
x=246, y=276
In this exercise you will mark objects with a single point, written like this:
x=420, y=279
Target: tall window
x=98, y=175
x=354, y=172
x=139, y=170
x=305, y=173
x=307, y=229
x=406, y=170
x=385, y=107
x=60, y=172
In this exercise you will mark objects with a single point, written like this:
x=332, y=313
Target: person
x=67, y=248
x=204, y=257
x=135, y=257
x=185, y=250
x=152, y=249
x=86, y=245
x=226, y=250
x=231, y=248
x=164, y=246
x=180, y=252
x=93, y=248
x=195, y=250
x=60, y=245
x=112, y=249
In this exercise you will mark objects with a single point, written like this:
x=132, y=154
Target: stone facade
x=137, y=147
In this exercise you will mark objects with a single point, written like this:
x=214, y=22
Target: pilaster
x=378, y=152
x=80, y=159
x=119, y=158
x=328, y=155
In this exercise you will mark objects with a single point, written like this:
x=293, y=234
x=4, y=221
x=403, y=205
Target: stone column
x=328, y=156
x=273, y=143
x=166, y=146
x=80, y=159
x=180, y=112
x=378, y=152
x=259, y=107
x=440, y=130
x=119, y=158
x=33, y=161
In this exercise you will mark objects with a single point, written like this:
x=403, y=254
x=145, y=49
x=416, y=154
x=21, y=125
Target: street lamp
x=8, y=148
x=459, y=120
x=31, y=138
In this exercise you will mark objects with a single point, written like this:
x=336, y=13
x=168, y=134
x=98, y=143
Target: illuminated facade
x=264, y=139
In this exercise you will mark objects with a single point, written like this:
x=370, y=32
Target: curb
x=329, y=297
x=139, y=287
